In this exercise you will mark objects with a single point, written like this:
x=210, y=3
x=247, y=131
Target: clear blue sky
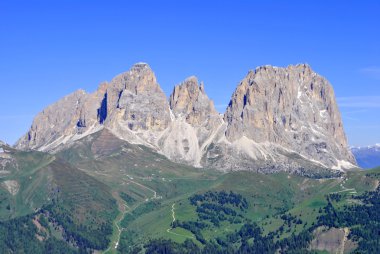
x=51, y=48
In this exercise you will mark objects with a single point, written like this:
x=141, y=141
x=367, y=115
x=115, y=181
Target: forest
x=363, y=218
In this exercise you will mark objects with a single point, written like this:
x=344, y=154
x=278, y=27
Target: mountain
x=277, y=111
x=367, y=157
x=67, y=202
x=202, y=202
x=278, y=119
x=169, y=206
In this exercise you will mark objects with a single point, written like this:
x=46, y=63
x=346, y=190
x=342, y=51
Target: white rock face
x=293, y=108
x=277, y=119
x=196, y=122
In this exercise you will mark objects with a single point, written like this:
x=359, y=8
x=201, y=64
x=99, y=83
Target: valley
x=190, y=127
x=126, y=170
x=154, y=199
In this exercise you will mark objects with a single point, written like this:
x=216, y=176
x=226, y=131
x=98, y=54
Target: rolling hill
x=74, y=206
x=143, y=202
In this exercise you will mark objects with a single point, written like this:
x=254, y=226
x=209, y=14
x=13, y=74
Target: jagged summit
x=292, y=107
x=277, y=119
x=189, y=99
x=140, y=65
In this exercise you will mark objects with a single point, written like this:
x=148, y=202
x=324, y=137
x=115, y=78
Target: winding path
x=169, y=230
x=173, y=212
x=124, y=209
x=352, y=190
x=145, y=187
x=173, y=216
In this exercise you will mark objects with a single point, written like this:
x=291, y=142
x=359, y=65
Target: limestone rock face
x=292, y=107
x=194, y=125
x=54, y=122
x=132, y=99
x=277, y=119
x=136, y=99
x=190, y=101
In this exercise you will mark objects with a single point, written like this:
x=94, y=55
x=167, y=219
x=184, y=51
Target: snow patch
x=299, y=94
x=172, y=117
x=322, y=113
x=317, y=132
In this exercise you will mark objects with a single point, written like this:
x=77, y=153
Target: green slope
x=38, y=186
x=134, y=196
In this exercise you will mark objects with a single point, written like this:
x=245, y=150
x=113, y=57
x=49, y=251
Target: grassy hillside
x=142, y=202
x=75, y=206
x=283, y=206
x=157, y=196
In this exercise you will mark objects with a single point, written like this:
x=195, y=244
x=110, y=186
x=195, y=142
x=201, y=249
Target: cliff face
x=56, y=122
x=190, y=101
x=136, y=100
x=278, y=118
x=195, y=123
x=292, y=107
x=133, y=100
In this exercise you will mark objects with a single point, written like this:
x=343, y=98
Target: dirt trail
x=145, y=187
x=173, y=216
x=353, y=190
x=346, y=233
x=173, y=212
x=124, y=209
x=169, y=230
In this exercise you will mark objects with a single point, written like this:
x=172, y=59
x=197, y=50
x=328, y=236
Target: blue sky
x=51, y=48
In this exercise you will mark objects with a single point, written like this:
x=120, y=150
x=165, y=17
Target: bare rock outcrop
x=133, y=100
x=190, y=101
x=277, y=119
x=293, y=108
x=55, y=122
x=195, y=122
x=136, y=99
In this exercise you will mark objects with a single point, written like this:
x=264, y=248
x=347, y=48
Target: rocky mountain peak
x=195, y=120
x=293, y=107
x=54, y=121
x=139, y=79
x=136, y=99
x=189, y=100
x=140, y=66
x=277, y=118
